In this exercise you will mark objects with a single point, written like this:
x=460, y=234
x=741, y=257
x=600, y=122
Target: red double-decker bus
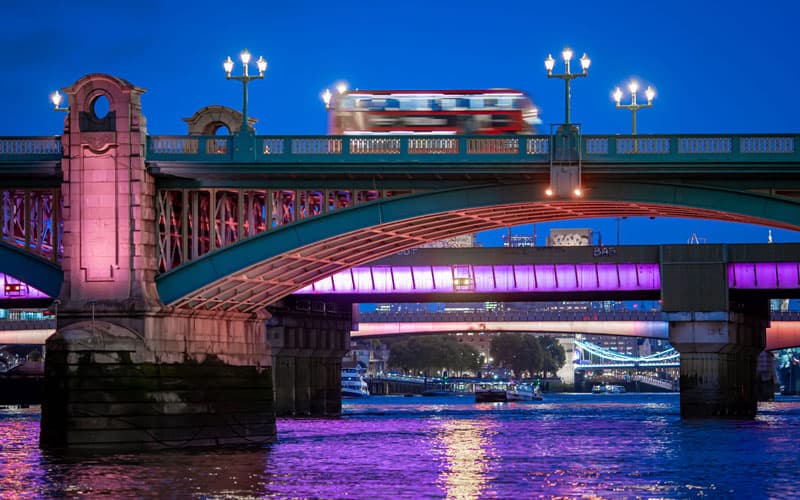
x=494, y=111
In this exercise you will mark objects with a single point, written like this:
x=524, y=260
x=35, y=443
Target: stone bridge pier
x=308, y=340
x=719, y=336
x=123, y=371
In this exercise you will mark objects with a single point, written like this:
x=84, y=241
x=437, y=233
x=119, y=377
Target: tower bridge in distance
x=177, y=255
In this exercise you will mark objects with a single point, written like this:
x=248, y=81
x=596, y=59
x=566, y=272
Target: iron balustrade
x=536, y=149
x=500, y=149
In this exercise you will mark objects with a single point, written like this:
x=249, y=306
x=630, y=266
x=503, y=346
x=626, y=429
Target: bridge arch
x=35, y=271
x=254, y=273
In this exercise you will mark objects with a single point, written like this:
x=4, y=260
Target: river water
x=569, y=445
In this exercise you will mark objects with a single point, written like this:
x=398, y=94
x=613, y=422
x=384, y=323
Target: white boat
x=608, y=389
x=353, y=384
x=523, y=392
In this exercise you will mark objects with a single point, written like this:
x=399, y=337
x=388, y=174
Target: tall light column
x=633, y=106
x=245, y=78
x=567, y=76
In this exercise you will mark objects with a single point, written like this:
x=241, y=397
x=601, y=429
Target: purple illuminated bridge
x=538, y=273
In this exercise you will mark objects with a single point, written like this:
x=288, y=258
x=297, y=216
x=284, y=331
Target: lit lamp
x=55, y=98
x=341, y=88
x=633, y=106
x=567, y=76
x=245, y=78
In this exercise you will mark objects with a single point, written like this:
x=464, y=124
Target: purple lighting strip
x=13, y=288
x=764, y=275
x=499, y=278
x=537, y=278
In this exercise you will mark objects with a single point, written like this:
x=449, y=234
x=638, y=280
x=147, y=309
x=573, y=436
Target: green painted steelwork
x=602, y=149
x=234, y=259
x=31, y=269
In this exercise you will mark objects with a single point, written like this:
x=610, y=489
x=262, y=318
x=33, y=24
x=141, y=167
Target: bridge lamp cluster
x=245, y=78
x=341, y=88
x=649, y=93
x=567, y=54
x=578, y=192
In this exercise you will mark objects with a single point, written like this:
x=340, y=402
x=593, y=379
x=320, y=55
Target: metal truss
x=29, y=216
x=194, y=222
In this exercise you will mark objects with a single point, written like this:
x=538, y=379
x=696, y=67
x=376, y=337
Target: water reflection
x=466, y=446
x=570, y=446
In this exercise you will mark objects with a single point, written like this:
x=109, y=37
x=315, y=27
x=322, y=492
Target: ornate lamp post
x=567, y=76
x=633, y=87
x=245, y=78
x=55, y=98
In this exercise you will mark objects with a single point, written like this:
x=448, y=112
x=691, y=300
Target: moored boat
x=353, y=384
x=523, y=392
x=490, y=393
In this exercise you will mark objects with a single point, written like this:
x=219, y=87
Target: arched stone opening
x=208, y=120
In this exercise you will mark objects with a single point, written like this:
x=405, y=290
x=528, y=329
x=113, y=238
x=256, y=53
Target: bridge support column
x=718, y=351
x=308, y=341
x=123, y=371
x=188, y=380
x=718, y=335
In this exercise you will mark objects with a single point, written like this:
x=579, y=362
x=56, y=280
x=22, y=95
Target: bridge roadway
x=174, y=250
x=783, y=332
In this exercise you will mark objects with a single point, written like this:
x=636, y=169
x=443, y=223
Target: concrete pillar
x=311, y=337
x=123, y=371
x=718, y=362
x=718, y=336
x=302, y=382
x=111, y=387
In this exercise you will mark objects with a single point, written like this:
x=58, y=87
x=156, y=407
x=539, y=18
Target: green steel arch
x=36, y=271
x=254, y=273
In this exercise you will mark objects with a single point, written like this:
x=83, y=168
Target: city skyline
x=707, y=63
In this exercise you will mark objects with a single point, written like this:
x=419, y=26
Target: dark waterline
x=611, y=446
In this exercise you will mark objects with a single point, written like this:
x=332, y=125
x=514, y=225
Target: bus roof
x=356, y=92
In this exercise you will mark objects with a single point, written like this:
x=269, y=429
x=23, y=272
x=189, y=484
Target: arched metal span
x=36, y=271
x=253, y=273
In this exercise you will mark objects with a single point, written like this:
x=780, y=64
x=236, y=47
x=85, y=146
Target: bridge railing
x=30, y=148
x=465, y=148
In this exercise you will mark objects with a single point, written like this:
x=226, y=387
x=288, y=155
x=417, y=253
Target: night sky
x=717, y=67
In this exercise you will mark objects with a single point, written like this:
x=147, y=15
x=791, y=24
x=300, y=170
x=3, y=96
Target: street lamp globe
x=585, y=62
x=341, y=87
x=566, y=54
x=618, y=95
x=549, y=63
x=228, y=65
x=650, y=93
x=326, y=98
x=245, y=57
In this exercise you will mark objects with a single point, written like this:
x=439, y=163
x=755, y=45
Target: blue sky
x=717, y=67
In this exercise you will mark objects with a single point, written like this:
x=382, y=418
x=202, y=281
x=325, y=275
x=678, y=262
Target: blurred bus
x=494, y=111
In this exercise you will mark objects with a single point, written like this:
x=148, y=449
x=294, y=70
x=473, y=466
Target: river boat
x=490, y=393
x=353, y=384
x=608, y=389
x=523, y=392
